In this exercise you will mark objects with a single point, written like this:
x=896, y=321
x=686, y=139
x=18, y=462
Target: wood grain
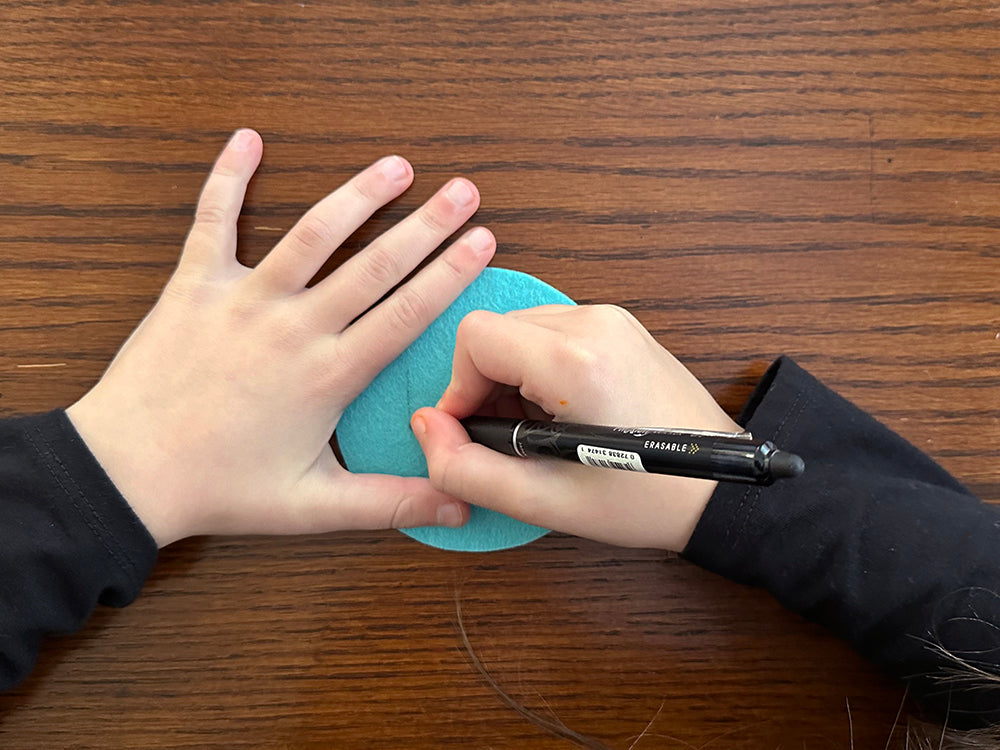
x=750, y=178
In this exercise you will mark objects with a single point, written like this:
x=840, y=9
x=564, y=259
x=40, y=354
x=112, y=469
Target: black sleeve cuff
x=69, y=539
x=875, y=541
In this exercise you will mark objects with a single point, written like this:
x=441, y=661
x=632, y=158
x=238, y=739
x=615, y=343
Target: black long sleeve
x=68, y=540
x=874, y=541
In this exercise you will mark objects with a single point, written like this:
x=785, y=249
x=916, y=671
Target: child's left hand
x=216, y=415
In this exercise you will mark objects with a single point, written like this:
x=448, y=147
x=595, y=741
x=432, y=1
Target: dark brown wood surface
x=749, y=178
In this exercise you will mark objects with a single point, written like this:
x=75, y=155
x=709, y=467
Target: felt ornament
x=374, y=432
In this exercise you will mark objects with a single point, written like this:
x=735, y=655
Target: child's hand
x=216, y=415
x=595, y=365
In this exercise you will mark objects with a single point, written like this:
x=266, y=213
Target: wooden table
x=749, y=178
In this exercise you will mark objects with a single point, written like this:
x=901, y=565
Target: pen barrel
x=704, y=455
x=731, y=458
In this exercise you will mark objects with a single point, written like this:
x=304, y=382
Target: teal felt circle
x=374, y=432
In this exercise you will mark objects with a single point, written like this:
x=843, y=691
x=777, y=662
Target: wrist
x=124, y=459
x=689, y=498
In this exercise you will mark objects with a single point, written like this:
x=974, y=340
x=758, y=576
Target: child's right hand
x=595, y=365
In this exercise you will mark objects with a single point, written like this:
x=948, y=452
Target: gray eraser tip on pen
x=784, y=465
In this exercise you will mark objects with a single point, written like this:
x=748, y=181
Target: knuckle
x=583, y=369
x=210, y=212
x=612, y=312
x=575, y=355
x=625, y=315
x=410, y=309
x=454, y=269
x=472, y=322
x=433, y=219
x=381, y=268
x=604, y=313
x=471, y=331
x=314, y=233
x=224, y=171
x=613, y=317
x=367, y=187
x=404, y=514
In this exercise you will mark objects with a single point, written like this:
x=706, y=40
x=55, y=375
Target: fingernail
x=393, y=168
x=480, y=239
x=419, y=426
x=459, y=193
x=449, y=514
x=241, y=140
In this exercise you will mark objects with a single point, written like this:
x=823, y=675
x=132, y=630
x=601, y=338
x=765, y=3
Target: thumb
x=343, y=500
x=473, y=472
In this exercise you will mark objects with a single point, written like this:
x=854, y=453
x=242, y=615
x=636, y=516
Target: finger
x=378, y=337
x=492, y=348
x=342, y=500
x=528, y=490
x=321, y=230
x=506, y=401
x=364, y=279
x=661, y=512
x=211, y=243
x=585, y=321
x=534, y=313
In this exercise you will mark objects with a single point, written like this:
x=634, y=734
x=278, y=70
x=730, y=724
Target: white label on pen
x=606, y=458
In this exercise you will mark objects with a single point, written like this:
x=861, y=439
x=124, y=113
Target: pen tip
x=786, y=465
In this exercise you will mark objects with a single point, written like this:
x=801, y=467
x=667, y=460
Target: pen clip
x=745, y=435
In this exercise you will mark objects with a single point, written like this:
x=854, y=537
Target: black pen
x=723, y=456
